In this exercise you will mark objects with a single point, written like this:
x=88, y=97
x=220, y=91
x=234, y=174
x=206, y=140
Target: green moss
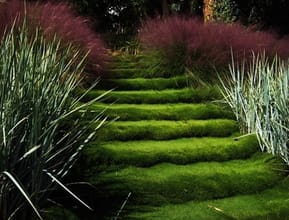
x=174, y=166
x=134, y=112
x=157, y=97
x=146, y=84
x=179, y=151
x=164, y=130
x=166, y=182
x=271, y=204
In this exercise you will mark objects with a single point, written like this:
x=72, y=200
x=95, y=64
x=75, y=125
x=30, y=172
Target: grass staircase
x=174, y=153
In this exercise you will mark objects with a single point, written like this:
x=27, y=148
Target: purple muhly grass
x=210, y=43
x=10, y=12
x=59, y=19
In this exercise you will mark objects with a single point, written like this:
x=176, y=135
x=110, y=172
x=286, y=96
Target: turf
x=165, y=130
x=271, y=204
x=146, y=84
x=174, y=153
x=181, y=111
x=165, y=182
x=177, y=151
x=157, y=97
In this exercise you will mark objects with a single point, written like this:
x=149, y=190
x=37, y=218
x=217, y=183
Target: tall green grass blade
x=67, y=190
x=22, y=191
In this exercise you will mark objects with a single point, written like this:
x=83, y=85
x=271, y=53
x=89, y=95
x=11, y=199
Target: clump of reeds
x=259, y=98
x=39, y=139
x=189, y=43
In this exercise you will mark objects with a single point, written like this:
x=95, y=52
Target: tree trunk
x=165, y=8
x=208, y=10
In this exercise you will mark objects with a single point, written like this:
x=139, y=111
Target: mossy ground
x=177, y=154
x=185, y=95
x=179, y=111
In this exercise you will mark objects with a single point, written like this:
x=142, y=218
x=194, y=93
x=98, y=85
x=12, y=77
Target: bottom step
x=170, y=183
x=271, y=204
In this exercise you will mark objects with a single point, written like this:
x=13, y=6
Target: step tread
x=180, y=111
x=271, y=204
x=185, y=95
x=178, y=151
x=173, y=183
x=158, y=83
x=164, y=129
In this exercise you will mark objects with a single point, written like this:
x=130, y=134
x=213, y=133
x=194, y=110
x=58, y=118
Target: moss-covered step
x=271, y=204
x=165, y=130
x=178, y=151
x=170, y=183
x=180, y=111
x=146, y=84
x=186, y=95
x=124, y=72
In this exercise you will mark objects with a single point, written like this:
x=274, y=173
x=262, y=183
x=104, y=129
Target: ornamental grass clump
x=189, y=43
x=259, y=98
x=58, y=18
x=37, y=145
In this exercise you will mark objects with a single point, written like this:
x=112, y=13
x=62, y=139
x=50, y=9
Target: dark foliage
x=271, y=14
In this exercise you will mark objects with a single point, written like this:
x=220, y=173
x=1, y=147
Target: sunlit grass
x=271, y=204
x=157, y=97
x=182, y=111
x=148, y=84
x=164, y=130
x=166, y=182
x=180, y=151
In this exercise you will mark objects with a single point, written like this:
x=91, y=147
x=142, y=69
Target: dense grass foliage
x=259, y=99
x=58, y=19
x=154, y=96
x=269, y=204
x=142, y=84
x=188, y=42
x=197, y=181
x=181, y=111
x=37, y=148
x=147, y=153
x=166, y=130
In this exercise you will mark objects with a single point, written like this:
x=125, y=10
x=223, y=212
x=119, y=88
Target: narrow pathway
x=175, y=154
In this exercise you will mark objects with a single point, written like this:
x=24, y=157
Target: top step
x=136, y=72
x=158, y=83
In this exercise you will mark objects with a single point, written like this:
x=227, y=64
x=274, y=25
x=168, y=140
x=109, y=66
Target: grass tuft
x=37, y=149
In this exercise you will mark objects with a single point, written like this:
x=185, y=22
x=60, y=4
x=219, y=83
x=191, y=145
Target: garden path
x=175, y=153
